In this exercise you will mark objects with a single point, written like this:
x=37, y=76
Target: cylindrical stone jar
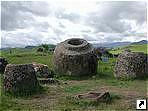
x=75, y=57
x=20, y=78
x=130, y=65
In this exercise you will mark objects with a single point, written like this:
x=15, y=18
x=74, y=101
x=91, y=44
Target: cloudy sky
x=34, y=23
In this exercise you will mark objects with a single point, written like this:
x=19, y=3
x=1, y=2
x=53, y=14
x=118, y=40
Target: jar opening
x=75, y=42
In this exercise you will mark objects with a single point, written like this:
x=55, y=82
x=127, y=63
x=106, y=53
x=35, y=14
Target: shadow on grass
x=78, y=78
x=98, y=75
x=21, y=92
x=25, y=93
x=143, y=77
x=102, y=75
x=7, y=100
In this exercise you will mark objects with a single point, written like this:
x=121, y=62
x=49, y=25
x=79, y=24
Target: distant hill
x=119, y=44
x=132, y=47
x=141, y=42
x=107, y=45
x=25, y=50
x=112, y=45
x=30, y=47
x=51, y=46
x=5, y=48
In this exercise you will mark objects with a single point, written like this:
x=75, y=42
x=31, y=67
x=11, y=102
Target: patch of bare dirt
x=127, y=97
x=41, y=101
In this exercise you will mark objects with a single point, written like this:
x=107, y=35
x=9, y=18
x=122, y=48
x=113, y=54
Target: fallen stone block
x=95, y=96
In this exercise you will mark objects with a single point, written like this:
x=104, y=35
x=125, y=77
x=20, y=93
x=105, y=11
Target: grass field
x=135, y=48
x=60, y=97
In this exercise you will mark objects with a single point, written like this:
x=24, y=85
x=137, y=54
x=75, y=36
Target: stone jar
x=3, y=63
x=75, y=57
x=19, y=78
x=130, y=65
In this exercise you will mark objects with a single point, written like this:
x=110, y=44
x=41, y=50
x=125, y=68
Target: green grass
x=24, y=58
x=86, y=104
x=135, y=48
x=60, y=97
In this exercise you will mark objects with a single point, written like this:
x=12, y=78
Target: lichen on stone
x=75, y=57
x=130, y=65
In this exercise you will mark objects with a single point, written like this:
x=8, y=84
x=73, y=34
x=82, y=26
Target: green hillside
x=135, y=48
x=26, y=50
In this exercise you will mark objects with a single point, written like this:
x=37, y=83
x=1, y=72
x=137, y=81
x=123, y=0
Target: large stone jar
x=19, y=78
x=131, y=65
x=75, y=57
x=3, y=63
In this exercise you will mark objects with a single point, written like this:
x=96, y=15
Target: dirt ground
x=54, y=97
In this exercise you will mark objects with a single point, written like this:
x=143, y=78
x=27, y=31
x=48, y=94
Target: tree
x=40, y=49
x=45, y=48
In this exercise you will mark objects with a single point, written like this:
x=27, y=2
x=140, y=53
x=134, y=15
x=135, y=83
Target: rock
x=43, y=71
x=3, y=63
x=20, y=78
x=131, y=65
x=95, y=96
x=48, y=81
x=75, y=57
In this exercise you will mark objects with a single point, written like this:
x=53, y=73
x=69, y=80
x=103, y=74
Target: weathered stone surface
x=48, y=81
x=3, y=63
x=43, y=71
x=96, y=96
x=75, y=57
x=131, y=65
x=20, y=78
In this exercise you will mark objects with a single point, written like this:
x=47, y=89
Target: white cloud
x=32, y=23
x=75, y=6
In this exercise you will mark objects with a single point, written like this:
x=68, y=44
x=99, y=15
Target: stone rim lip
x=18, y=65
x=126, y=54
x=75, y=47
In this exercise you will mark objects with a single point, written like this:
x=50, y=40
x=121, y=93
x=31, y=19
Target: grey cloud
x=89, y=37
x=60, y=13
x=61, y=25
x=39, y=8
x=113, y=37
x=102, y=25
x=21, y=39
x=72, y=17
x=136, y=34
x=104, y=37
x=113, y=12
x=41, y=26
x=58, y=32
x=86, y=31
x=9, y=16
x=20, y=14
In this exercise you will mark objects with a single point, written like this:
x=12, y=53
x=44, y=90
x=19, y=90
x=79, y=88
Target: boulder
x=20, y=78
x=48, y=81
x=3, y=63
x=75, y=57
x=131, y=65
x=43, y=71
x=95, y=96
